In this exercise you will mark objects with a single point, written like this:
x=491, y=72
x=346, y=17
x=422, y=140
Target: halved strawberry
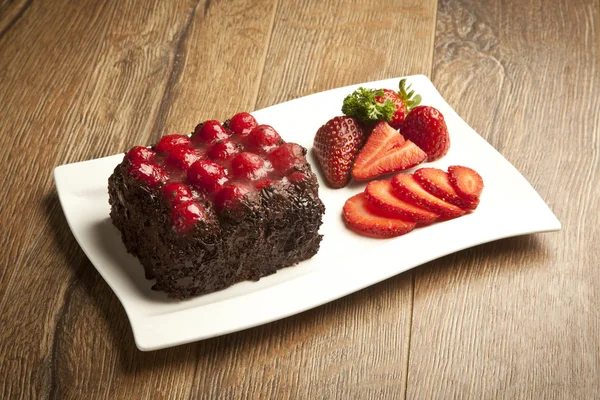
x=335, y=146
x=381, y=194
x=365, y=218
x=467, y=182
x=409, y=189
x=436, y=182
x=385, y=151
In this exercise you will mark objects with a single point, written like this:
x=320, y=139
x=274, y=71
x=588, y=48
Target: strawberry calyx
x=362, y=105
x=408, y=96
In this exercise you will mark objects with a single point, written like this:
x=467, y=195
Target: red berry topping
x=185, y=215
x=140, y=153
x=249, y=166
x=182, y=158
x=286, y=157
x=168, y=143
x=264, y=137
x=148, y=172
x=175, y=193
x=210, y=132
x=242, y=123
x=263, y=183
x=207, y=175
x=227, y=197
x=223, y=150
x=297, y=177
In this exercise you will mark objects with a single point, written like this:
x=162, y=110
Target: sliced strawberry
x=386, y=151
x=437, y=182
x=409, y=189
x=368, y=220
x=381, y=194
x=467, y=182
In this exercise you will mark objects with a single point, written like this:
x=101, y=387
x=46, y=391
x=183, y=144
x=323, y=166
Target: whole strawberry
x=425, y=126
x=370, y=106
x=336, y=145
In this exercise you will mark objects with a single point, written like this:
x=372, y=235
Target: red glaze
x=249, y=166
x=207, y=175
x=185, y=215
x=263, y=183
x=168, y=143
x=297, y=177
x=286, y=157
x=264, y=137
x=182, y=158
x=148, y=172
x=228, y=196
x=210, y=133
x=224, y=150
x=140, y=153
x=241, y=124
x=175, y=193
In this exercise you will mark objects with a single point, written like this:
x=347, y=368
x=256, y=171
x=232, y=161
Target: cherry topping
x=175, y=193
x=229, y=194
x=168, y=143
x=249, y=166
x=286, y=157
x=210, y=132
x=207, y=175
x=223, y=150
x=297, y=177
x=147, y=172
x=140, y=153
x=242, y=123
x=185, y=215
x=264, y=137
x=182, y=158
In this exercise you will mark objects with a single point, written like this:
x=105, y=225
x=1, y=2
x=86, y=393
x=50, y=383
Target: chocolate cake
x=233, y=202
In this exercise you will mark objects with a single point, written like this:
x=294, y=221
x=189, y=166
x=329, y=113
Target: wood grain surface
x=517, y=318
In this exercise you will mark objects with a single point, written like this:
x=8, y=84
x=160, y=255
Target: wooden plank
x=519, y=318
x=73, y=79
x=355, y=347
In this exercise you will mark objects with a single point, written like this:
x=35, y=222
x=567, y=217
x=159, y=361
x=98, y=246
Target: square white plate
x=346, y=261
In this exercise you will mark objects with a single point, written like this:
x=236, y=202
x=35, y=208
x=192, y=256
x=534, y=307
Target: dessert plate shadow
x=346, y=261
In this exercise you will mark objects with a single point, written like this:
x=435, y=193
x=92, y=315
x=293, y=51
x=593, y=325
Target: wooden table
x=517, y=318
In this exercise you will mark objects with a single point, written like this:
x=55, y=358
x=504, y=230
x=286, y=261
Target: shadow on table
x=292, y=330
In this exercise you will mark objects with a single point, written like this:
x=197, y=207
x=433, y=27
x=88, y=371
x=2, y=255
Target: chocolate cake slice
x=233, y=202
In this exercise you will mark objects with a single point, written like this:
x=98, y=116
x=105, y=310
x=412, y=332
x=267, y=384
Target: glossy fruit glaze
x=219, y=163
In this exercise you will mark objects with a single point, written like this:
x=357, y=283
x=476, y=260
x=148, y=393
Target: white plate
x=346, y=261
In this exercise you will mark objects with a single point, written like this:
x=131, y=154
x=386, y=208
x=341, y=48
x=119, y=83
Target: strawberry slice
x=407, y=187
x=381, y=194
x=466, y=181
x=368, y=220
x=437, y=182
x=386, y=151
